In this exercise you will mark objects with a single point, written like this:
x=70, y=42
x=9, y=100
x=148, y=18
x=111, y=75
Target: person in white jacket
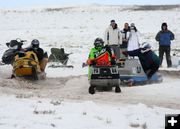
x=133, y=42
x=113, y=38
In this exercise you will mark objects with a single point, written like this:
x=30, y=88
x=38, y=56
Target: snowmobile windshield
x=13, y=47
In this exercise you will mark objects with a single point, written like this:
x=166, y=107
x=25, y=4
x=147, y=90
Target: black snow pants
x=166, y=50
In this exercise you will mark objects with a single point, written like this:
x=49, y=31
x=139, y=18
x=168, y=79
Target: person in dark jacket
x=125, y=35
x=164, y=38
x=42, y=56
x=149, y=60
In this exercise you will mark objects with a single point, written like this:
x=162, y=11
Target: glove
x=113, y=56
x=90, y=62
x=113, y=61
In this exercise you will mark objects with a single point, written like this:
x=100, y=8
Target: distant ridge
x=95, y=8
x=155, y=7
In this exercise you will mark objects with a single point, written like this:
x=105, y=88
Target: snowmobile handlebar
x=20, y=40
x=16, y=41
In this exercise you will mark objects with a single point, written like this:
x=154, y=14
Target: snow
x=62, y=100
x=45, y=113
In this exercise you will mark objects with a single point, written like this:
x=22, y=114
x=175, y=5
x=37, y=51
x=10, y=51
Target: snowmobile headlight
x=96, y=71
x=114, y=70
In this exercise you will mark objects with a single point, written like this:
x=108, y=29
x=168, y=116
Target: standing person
x=133, y=42
x=125, y=35
x=113, y=37
x=164, y=38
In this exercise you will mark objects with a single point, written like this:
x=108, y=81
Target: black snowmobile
x=59, y=58
x=104, y=78
x=104, y=75
x=14, y=46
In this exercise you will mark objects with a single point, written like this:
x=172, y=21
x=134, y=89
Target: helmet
x=132, y=25
x=145, y=45
x=35, y=43
x=98, y=42
x=164, y=24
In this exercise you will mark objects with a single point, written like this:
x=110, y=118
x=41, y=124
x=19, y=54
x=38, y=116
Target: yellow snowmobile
x=26, y=65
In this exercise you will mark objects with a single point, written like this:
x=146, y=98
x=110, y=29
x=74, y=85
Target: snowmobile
x=132, y=73
x=175, y=58
x=59, y=58
x=14, y=46
x=103, y=77
x=25, y=64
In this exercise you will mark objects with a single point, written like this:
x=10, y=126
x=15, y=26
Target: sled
x=58, y=58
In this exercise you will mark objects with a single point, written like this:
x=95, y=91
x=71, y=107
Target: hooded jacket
x=164, y=37
x=133, y=42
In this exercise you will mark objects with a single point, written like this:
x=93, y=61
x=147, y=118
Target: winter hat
x=146, y=45
x=132, y=25
x=112, y=21
x=163, y=24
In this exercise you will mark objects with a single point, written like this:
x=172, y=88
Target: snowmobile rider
x=149, y=60
x=101, y=55
x=42, y=56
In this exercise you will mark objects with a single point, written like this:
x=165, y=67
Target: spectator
x=125, y=35
x=164, y=38
x=133, y=42
x=113, y=37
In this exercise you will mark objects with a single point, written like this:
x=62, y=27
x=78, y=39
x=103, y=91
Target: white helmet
x=145, y=45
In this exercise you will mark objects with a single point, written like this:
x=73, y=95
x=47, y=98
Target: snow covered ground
x=62, y=100
x=49, y=114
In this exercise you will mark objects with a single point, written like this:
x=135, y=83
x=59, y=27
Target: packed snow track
x=75, y=88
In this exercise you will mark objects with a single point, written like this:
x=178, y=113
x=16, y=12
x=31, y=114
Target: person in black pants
x=148, y=59
x=125, y=35
x=164, y=38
